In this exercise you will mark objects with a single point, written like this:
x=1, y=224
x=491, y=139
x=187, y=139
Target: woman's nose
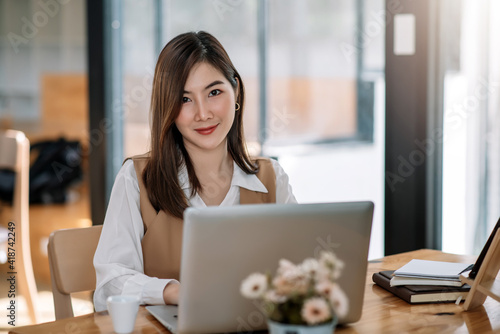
x=203, y=112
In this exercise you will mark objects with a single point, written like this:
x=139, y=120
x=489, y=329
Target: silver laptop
x=223, y=245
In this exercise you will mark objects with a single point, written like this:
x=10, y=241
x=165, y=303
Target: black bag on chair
x=6, y=185
x=56, y=167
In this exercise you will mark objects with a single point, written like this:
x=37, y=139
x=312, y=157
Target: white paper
x=426, y=268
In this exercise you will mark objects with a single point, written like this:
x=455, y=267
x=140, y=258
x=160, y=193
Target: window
x=471, y=160
x=312, y=85
x=308, y=54
x=314, y=78
x=233, y=23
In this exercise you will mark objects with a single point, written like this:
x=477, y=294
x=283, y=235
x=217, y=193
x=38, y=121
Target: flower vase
x=279, y=328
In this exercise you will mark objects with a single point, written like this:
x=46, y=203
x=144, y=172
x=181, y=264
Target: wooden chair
x=71, y=254
x=15, y=156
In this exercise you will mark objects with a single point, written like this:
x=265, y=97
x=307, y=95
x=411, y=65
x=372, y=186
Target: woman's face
x=208, y=109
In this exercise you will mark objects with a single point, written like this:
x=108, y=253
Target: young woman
x=197, y=158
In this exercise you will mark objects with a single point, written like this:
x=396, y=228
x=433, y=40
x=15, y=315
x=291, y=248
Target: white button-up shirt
x=118, y=260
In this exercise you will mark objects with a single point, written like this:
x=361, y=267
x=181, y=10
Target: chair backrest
x=8, y=147
x=15, y=156
x=71, y=254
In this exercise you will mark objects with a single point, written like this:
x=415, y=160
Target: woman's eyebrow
x=216, y=82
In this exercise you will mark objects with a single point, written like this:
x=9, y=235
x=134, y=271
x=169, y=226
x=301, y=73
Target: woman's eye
x=185, y=99
x=215, y=92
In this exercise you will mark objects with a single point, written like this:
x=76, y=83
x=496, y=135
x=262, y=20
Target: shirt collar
x=240, y=179
x=247, y=181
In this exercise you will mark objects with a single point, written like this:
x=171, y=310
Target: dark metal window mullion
x=435, y=102
x=97, y=91
x=359, y=59
x=262, y=40
x=159, y=26
x=113, y=23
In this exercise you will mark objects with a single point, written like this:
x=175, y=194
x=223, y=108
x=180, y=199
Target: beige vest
x=162, y=241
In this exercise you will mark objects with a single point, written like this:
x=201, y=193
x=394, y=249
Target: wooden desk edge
x=371, y=319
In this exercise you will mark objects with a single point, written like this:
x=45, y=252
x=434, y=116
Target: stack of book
x=423, y=281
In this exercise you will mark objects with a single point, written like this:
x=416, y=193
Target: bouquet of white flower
x=304, y=294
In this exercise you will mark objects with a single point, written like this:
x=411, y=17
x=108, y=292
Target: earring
x=237, y=106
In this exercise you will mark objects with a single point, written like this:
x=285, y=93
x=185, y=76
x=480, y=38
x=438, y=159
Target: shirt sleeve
x=118, y=259
x=284, y=193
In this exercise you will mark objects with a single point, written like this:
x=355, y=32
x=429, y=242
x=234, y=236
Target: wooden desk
x=382, y=311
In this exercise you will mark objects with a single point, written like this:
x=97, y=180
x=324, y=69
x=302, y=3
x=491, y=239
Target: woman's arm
x=171, y=293
x=118, y=259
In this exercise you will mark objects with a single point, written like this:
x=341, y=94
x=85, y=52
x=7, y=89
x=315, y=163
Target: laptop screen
x=223, y=245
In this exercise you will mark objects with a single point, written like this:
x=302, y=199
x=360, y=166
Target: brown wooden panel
x=64, y=106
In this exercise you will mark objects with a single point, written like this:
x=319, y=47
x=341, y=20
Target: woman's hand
x=171, y=293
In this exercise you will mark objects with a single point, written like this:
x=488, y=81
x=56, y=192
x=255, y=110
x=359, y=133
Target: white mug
x=123, y=311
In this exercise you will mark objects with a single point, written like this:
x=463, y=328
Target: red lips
x=206, y=131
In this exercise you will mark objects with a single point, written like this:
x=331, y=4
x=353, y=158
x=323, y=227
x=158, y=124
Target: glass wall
x=471, y=159
x=307, y=54
x=234, y=24
x=312, y=86
x=314, y=78
x=41, y=45
x=149, y=25
x=138, y=58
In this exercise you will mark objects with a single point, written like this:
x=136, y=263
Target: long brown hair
x=168, y=153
